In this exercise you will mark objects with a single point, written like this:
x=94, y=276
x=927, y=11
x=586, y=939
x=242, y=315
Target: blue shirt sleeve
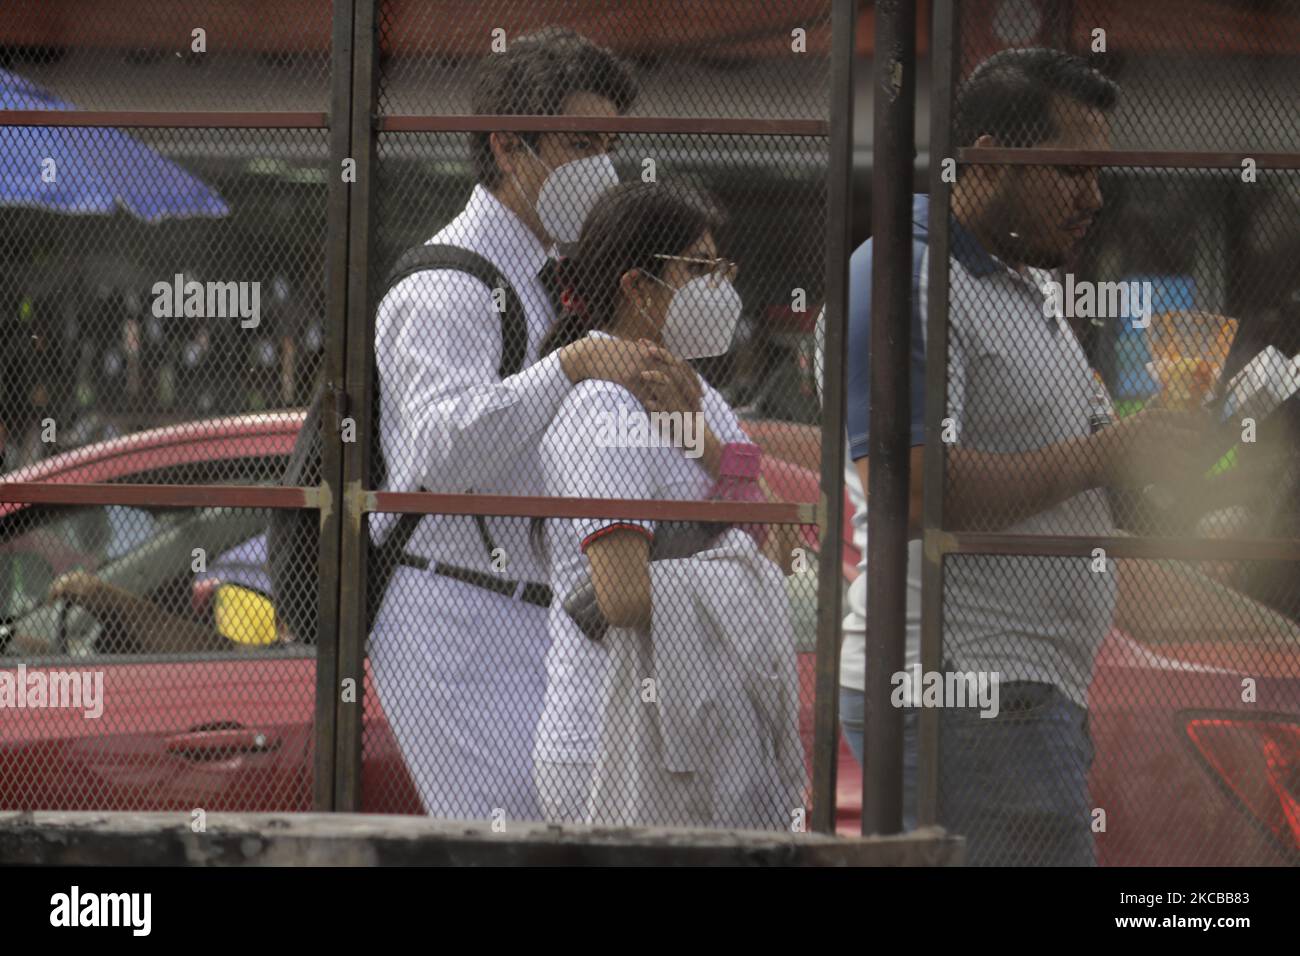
x=858, y=387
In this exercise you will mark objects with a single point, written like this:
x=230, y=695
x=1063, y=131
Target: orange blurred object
x=1188, y=351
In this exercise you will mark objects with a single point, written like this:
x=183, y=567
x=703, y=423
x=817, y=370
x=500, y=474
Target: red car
x=1183, y=778
x=229, y=729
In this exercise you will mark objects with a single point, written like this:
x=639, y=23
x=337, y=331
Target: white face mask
x=569, y=193
x=701, y=318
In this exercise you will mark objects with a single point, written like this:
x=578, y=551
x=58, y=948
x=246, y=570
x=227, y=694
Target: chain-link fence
x=538, y=655
x=164, y=315
x=342, y=466
x=416, y=408
x=1108, y=672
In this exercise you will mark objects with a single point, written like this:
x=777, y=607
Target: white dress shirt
x=459, y=669
x=447, y=422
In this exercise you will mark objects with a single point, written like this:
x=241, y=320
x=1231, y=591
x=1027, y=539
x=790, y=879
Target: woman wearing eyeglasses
x=680, y=708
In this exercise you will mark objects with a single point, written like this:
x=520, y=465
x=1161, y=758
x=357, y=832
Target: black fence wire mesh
x=1109, y=678
x=550, y=277
x=522, y=370
x=177, y=315
x=148, y=671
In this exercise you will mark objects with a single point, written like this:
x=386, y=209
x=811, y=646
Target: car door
x=140, y=724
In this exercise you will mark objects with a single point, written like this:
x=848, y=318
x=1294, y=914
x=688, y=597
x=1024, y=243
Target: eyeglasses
x=589, y=143
x=718, y=270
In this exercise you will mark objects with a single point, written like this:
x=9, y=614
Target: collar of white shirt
x=494, y=231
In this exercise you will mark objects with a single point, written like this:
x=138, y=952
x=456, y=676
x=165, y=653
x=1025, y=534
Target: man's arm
x=620, y=573
x=993, y=491
x=438, y=351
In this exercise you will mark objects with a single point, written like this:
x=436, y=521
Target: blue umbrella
x=96, y=169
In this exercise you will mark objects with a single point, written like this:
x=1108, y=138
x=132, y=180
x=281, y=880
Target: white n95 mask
x=701, y=318
x=570, y=192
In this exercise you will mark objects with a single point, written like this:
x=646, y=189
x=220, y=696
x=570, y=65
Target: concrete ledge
x=346, y=839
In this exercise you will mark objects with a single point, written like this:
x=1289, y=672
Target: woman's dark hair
x=629, y=225
x=534, y=76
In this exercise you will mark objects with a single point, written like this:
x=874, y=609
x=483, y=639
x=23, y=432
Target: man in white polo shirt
x=1026, y=458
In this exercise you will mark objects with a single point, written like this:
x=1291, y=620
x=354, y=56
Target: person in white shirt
x=647, y=266
x=457, y=650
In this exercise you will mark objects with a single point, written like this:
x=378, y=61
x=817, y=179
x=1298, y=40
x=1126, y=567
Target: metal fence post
x=825, y=719
x=943, y=59
x=336, y=251
x=894, y=69
x=359, y=369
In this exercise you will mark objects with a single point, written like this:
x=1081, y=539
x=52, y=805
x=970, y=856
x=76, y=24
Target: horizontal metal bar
x=1169, y=159
x=700, y=125
x=521, y=506
x=1191, y=549
x=289, y=652
x=164, y=496
x=158, y=119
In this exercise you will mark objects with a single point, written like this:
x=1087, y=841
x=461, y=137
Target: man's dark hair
x=1009, y=96
x=534, y=77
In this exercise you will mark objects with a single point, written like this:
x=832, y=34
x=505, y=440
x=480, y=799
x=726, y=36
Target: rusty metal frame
x=940, y=541
x=889, y=490
x=179, y=119
x=1122, y=158
x=243, y=496
x=944, y=62
x=345, y=496
x=643, y=509
x=826, y=732
x=1117, y=546
x=338, y=214
x=702, y=126
x=354, y=403
x=167, y=496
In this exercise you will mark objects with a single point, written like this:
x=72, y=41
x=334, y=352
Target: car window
x=47, y=542
x=146, y=578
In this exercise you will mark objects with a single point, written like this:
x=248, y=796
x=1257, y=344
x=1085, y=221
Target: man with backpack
x=460, y=634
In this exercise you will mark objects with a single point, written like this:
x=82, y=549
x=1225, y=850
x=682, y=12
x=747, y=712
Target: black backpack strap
x=514, y=327
x=397, y=540
x=514, y=343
